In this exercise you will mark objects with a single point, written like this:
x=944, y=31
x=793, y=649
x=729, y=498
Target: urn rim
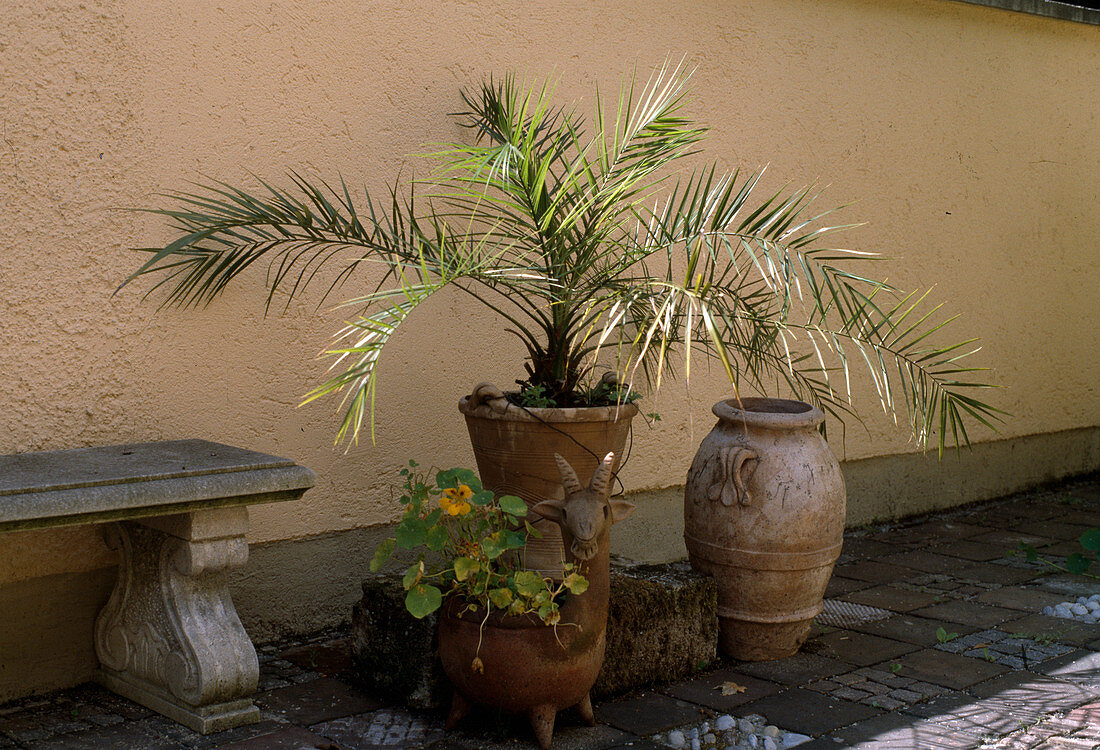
x=769, y=413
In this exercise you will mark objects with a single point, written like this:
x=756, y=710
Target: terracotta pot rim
x=558, y=415
x=771, y=413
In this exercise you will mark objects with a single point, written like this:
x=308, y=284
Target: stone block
x=392, y=653
x=662, y=626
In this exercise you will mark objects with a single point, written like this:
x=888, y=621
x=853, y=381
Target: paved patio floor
x=932, y=638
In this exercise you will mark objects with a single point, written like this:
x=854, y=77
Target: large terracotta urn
x=514, y=447
x=764, y=515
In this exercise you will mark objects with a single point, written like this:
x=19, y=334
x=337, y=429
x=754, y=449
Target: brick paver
x=892, y=598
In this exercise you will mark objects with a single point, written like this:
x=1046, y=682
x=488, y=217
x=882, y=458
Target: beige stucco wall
x=964, y=135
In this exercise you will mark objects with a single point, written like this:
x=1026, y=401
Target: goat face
x=585, y=514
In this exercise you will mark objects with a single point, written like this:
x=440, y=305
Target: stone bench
x=169, y=637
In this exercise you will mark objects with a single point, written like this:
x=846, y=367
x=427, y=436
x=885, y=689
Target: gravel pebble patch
x=1084, y=609
x=724, y=732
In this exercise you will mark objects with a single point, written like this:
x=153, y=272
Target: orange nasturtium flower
x=453, y=500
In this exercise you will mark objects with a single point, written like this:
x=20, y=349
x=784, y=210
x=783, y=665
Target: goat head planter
x=526, y=666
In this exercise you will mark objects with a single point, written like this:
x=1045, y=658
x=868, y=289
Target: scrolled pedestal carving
x=169, y=637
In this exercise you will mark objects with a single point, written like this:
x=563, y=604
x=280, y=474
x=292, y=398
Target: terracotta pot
x=518, y=664
x=528, y=667
x=515, y=446
x=764, y=515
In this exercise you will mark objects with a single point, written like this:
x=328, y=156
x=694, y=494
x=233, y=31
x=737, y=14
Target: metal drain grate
x=841, y=614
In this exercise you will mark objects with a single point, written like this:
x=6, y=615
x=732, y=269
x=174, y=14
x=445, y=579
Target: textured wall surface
x=964, y=135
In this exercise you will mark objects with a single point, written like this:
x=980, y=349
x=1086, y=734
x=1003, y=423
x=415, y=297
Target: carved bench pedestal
x=169, y=638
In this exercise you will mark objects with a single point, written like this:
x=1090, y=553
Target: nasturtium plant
x=466, y=541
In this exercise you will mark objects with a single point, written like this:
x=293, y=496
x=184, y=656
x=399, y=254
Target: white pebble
x=709, y=738
x=1082, y=600
x=1048, y=611
x=754, y=741
x=724, y=722
x=745, y=726
x=676, y=738
x=791, y=739
x=1078, y=609
x=1093, y=605
x=694, y=733
x=771, y=731
x=770, y=743
x=695, y=745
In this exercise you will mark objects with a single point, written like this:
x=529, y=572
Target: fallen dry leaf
x=731, y=688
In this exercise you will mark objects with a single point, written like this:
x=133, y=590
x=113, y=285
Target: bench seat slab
x=169, y=637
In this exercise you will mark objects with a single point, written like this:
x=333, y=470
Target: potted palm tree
x=596, y=249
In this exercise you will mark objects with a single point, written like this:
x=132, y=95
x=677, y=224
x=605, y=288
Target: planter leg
x=542, y=721
x=459, y=708
x=585, y=708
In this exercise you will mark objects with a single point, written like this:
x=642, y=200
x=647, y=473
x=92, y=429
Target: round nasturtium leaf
x=1077, y=563
x=422, y=600
x=381, y=555
x=437, y=538
x=411, y=532
x=481, y=498
x=513, y=506
x=494, y=545
x=452, y=478
x=1090, y=540
x=413, y=575
x=528, y=583
x=501, y=598
x=576, y=583
x=464, y=566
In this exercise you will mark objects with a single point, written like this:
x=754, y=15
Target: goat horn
x=601, y=480
x=569, y=479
